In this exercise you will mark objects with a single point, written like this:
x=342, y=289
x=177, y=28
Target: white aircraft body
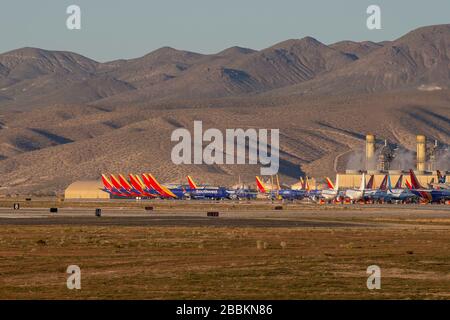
x=357, y=194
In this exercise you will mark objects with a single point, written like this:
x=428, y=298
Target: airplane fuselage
x=209, y=193
x=354, y=195
x=399, y=194
x=432, y=195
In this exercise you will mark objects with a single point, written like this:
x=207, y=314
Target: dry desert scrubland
x=173, y=262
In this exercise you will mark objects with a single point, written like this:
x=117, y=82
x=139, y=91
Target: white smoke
x=403, y=160
x=356, y=160
x=443, y=159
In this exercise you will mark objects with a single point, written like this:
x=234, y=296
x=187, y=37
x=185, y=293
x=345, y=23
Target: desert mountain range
x=65, y=117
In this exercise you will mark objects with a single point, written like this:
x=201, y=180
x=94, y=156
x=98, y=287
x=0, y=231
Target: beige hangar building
x=86, y=190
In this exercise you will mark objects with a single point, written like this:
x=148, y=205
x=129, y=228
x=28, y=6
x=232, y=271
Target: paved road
x=266, y=218
x=133, y=217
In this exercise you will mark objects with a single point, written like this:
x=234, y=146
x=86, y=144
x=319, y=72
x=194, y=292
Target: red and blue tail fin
x=329, y=183
x=160, y=188
x=260, y=185
x=115, y=182
x=408, y=184
x=191, y=182
x=414, y=181
x=106, y=183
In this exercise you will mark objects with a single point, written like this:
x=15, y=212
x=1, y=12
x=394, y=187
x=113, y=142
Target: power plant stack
x=370, y=152
x=379, y=159
x=421, y=152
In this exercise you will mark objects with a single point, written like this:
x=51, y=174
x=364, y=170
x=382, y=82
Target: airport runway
x=132, y=217
x=312, y=218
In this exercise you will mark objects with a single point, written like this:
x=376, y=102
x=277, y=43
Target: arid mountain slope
x=71, y=143
x=31, y=78
x=241, y=72
x=64, y=117
x=419, y=60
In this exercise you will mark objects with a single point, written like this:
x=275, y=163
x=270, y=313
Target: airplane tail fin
x=336, y=186
x=441, y=178
x=399, y=183
x=138, y=179
x=136, y=184
x=260, y=185
x=160, y=188
x=329, y=183
x=408, y=184
x=147, y=182
x=383, y=185
x=124, y=182
x=191, y=182
x=106, y=183
x=362, y=187
x=414, y=181
x=115, y=182
x=150, y=183
x=307, y=187
x=370, y=183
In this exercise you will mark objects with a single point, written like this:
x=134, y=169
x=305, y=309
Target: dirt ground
x=200, y=262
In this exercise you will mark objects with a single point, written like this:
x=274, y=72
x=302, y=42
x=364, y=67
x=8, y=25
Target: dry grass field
x=225, y=263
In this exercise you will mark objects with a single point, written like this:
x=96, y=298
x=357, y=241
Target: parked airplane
x=215, y=193
x=369, y=185
x=398, y=193
x=399, y=183
x=121, y=188
x=181, y=192
x=242, y=194
x=288, y=194
x=128, y=187
x=165, y=192
x=110, y=188
x=329, y=194
x=428, y=195
x=442, y=184
x=355, y=195
x=116, y=183
x=379, y=194
x=240, y=191
x=139, y=187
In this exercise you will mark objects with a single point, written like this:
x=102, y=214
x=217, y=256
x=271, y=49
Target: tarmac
x=325, y=217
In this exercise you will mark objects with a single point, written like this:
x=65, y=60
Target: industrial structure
x=352, y=178
x=378, y=163
x=421, y=152
x=370, y=152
